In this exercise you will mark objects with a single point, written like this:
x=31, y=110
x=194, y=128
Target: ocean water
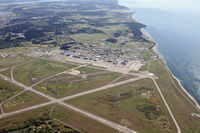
x=177, y=33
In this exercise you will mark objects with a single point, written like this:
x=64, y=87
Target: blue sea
x=177, y=33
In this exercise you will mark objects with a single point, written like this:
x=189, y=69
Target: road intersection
x=60, y=101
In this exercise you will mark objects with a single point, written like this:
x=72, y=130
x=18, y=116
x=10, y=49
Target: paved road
x=101, y=88
x=25, y=109
x=3, y=69
x=1, y=105
x=60, y=101
x=25, y=88
x=12, y=80
x=97, y=118
x=12, y=69
x=113, y=125
x=118, y=127
x=56, y=75
x=168, y=108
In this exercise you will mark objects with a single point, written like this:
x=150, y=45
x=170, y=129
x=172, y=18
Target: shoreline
x=160, y=56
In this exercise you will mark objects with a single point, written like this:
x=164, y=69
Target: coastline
x=160, y=56
x=155, y=49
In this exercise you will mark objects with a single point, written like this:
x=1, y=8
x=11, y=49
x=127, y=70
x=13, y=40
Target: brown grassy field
x=12, y=61
x=24, y=100
x=88, y=70
x=7, y=73
x=39, y=69
x=65, y=84
x=40, y=120
x=80, y=122
x=136, y=105
x=19, y=120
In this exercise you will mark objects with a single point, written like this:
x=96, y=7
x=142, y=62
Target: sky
x=181, y=5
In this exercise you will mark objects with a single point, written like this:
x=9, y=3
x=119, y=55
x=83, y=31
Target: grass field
x=40, y=120
x=15, y=56
x=136, y=105
x=17, y=50
x=7, y=73
x=89, y=38
x=16, y=121
x=179, y=105
x=24, y=100
x=109, y=30
x=65, y=84
x=39, y=69
x=7, y=90
x=87, y=70
x=12, y=61
x=146, y=55
x=34, y=121
x=81, y=122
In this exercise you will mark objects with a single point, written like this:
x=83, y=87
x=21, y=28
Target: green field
x=109, y=30
x=7, y=90
x=24, y=100
x=136, y=105
x=33, y=72
x=34, y=121
x=12, y=61
x=176, y=98
x=41, y=121
x=65, y=84
x=7, y=73
x=81, y=122
x=15, y=56
x=89, y=38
